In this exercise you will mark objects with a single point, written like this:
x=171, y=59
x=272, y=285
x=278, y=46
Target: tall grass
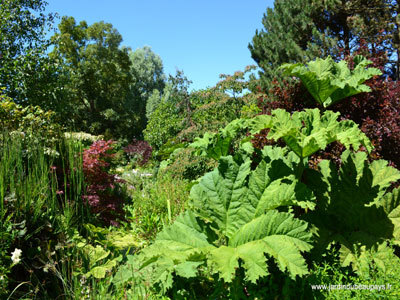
x=41, y=194
x=30, y=186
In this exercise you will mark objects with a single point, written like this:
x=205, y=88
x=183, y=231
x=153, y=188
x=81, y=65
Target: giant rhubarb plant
x=329, y=82
x=353, y=206
x=241, y=214
x=307, y=131
x=303, y=132
x=233, y=219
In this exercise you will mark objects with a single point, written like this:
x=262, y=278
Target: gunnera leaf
x=353, y=206
x=329, y=82
x=308, y=131
x=232, y=223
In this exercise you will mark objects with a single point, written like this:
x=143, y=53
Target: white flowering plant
x=16, y=256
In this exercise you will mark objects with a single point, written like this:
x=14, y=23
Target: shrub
x=35, y=125
x=376, y=112
x=154, y=202
x=185, y=164
x=139, y=151
x=102, y=192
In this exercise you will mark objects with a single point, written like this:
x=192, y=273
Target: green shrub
x=154, y=202
x=185, y=164
x=260, y=209
x=31, y=122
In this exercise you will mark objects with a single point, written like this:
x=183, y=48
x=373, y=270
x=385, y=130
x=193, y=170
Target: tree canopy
x=25, y=70
x=296, y=31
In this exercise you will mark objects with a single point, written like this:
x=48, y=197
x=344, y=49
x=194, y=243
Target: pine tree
x=300, y=30
x=289, y=35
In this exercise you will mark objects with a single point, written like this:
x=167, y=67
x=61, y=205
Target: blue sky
x=202, y=38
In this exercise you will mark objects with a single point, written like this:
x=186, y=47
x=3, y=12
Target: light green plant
x=329, y=82
x=233, y=218
x=355, y=209
x=243, y=219
x=303, y=132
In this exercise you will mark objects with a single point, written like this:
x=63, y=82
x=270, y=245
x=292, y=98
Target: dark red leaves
x=139, y=150
x=101, y=191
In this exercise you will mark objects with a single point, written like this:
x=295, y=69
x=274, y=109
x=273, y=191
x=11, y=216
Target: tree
x=287, y=37
x=377, y=23
x=169, y=111
x=96, y=78
x=25, y=71
x=148, y=82
x=296, y=31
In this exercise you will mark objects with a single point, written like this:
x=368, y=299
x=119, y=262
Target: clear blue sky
x=202, y=38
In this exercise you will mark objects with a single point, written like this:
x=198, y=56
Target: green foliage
x=353, y=209
x=25, y=71
x=183, y=163
x=328, y=81
x=152, y=103
x=293, y=31
x=164, y=124
x=213, y=109
x=154, y=203
x=231, y=219
x=236, y=84
x=34, y=125
x=186, y=117
x=95, y=78
x=100, y=259
x=329, y=280
x=303, y=132
x=40, y=209
x=172, y=112
x=238, y=213
x=148, y=81
x=391, y=205
x=307, y=132
x=297, y=31
x=220, y=145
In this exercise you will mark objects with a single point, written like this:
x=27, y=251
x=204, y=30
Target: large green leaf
x=352, y=207
x=272, y=184
x=307, y=131
x=187, y=236
x=233, y=223
x=274, y=223
x=216, y=145
x=232, y=195
x=328, y=81
x=225, y=261
x=220, y=197
x=391, y=204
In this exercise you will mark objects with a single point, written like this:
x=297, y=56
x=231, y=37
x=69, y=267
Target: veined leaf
x=220, y=196
x=307, y=131
x=353, y=207
x=329, y=82
x=233, y=219
x=391, y=204
x=274, y=223
x=225, y=261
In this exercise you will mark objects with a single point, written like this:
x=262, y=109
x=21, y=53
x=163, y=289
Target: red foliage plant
x=377, y=112
x=101, y=191
x=141, y=150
